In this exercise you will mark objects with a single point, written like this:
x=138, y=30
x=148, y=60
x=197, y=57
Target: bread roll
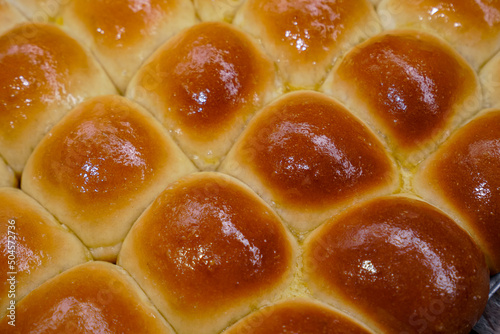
x=9, y=16
x=217, y=10
x=400, y=265
x=123, y=33
x=96, y=297
x=33, y=247
x=99, y=168
x=304, y=37
x=472, y=27
x=203, y=85
x=463, y=178
x=43, y=74
x=309, y=157
x=297, y=316
x=208, y=251
x=410, y=86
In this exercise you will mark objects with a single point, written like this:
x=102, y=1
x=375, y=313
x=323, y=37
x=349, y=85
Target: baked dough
x=207, y=251
x=100, y=167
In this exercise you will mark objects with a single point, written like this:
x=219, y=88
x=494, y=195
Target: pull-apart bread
x=248, y=166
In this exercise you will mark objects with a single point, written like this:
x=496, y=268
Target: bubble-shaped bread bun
x=472, y=27
x=304, y=37
x=33, y=97
x=33, y=246
x=207, y=251
x=123, y=33
x=411, y=86
x=309, y=157
x=217, y=10
x=100, y=167
x=297, y=316
x=463, y=178
x=9, y=16
x=393, y=260
x=204, y=88
x=249, y=166
x=95, y=297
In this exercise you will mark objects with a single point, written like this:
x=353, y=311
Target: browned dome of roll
x=33, y=246
x=309, y=157
x=300, y=316
x=409, y=85
x=43, y=74
x=304, y=37
x=204, y=84
x=96, y=297
x=400, y=264
x=470, y=26
x=207, y=251
x=99, y=168
x=123, y=33
x=463, y=177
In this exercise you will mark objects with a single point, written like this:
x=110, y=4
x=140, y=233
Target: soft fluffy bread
x=95, y=297
x=207, y=251
x=9, y=16
x=204, y=88
x=471, y=27
x=297, y=316
x=309, y=157
x=100, y=167
x=471, y=156
x=123, y=33
x=32, y=97
x=34, y=244
x=392, y=260
x=411, y=87
x=305, y=37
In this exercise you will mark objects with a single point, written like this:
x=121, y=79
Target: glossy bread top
x=410, y=84
x=305, y=36
x=216, y=248
x=297, y=316
x=101, y=166
x=396, y=255
x=310, y=153
x=471, y=155
x=96, y=297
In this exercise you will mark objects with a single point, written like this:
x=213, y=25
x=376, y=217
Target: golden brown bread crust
x=207, y=251
x=471, y=27
x=32, y=97
x=309, y=157
x=400, y=264
x=304, y=37
x=123, y=33
x=297, y=316
x=463, y=178
x=96, y=297
x=411, y=86
x=204, y=88
x=33, y=246
x=100, y=167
